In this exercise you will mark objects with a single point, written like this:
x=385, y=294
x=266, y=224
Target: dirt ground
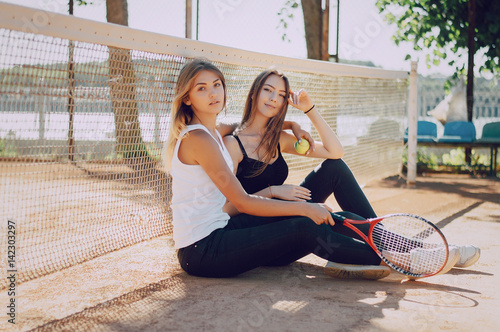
x=142, y=288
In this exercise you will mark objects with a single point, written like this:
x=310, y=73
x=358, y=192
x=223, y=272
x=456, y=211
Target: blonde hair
x=274, y=125
x=182, y=114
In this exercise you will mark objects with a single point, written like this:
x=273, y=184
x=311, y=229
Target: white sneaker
x=453, y=257
x=468, y=255
x=419, y=257
x=349, y=271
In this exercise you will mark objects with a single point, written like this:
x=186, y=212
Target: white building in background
x=486, y=97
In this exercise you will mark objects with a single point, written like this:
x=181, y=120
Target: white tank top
x=196, y=202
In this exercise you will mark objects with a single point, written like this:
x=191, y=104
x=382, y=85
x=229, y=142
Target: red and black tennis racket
x=407, y=243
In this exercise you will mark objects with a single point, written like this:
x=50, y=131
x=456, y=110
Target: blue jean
x=248, y=242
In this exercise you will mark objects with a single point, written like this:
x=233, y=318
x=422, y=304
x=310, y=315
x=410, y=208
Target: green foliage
x=53, y=74
x=444, y=162
x=5, y=150
x=286, y=14
x=427, y=158
x=440, y=24
x=456, y=157
x=133, y=151
x=424, y=157
x=95, y=74
x=149, y=150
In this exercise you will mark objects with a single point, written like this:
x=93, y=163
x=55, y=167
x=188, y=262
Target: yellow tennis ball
x=301, y=146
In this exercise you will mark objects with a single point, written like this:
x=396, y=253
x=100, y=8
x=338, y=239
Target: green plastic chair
x=491, y=132
x=458, y=132
x=426, y=132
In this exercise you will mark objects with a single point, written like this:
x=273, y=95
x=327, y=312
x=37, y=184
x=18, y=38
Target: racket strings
x=410, y=245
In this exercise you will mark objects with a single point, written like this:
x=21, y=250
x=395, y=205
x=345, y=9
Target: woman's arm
x=226, y=129
x=234, y=150
x=200, y=148
x=287, y=192
x=237, y=156
x=330, y=146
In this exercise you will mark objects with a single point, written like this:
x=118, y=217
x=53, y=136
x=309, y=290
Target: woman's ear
x=187, y=101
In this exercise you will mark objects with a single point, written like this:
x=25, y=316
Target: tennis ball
x=301, y=146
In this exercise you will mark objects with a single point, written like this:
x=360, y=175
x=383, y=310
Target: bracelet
x=309, y=110
x=269, y=186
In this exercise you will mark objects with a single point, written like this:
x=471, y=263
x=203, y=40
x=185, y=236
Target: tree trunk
x=471, y=34
x=189, y=18
x=313, y=18
x=325, y=31
x=129, y=141
x=117, y=12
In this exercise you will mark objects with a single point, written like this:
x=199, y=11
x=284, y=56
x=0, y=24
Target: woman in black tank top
x=258, y=143
x=273, y=174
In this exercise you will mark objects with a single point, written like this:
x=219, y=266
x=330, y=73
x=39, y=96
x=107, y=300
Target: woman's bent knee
x=335, y=165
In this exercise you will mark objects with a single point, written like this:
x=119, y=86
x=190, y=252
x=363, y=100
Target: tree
x=313, y=25
x=123, y=94
x=461, y=25
x=123, y=82
x=441, y=25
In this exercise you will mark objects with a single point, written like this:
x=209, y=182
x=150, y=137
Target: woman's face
x=272, y=96
x=207, y=93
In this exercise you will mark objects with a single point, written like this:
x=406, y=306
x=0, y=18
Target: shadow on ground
x=283, y=298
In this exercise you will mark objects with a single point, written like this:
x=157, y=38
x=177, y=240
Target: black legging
x=333, y=176
x=248, y=242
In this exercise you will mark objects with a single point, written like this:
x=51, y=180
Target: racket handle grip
x=337, y=217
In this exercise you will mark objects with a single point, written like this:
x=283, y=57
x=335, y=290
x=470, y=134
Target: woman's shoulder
x=230, y=142
x=233, y=147
x=197, y=131
x=229, y=138
x=198, y=137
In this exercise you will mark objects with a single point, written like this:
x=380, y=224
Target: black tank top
x=274, y=174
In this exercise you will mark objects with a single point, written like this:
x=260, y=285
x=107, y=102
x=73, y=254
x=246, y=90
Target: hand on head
x=300, y=100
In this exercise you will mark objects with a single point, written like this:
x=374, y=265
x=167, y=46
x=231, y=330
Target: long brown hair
x=271, y=137
x=182, y=114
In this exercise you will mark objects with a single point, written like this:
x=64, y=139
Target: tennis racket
x=407, y=243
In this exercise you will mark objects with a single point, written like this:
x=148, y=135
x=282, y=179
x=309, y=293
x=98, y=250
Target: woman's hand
x=300, y=133
x=330, y=146
x=300, y=100
x=290, y=192
x=320, y=213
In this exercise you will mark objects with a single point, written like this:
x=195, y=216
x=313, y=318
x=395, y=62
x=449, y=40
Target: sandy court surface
x=141, y=287
x=65, y=215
